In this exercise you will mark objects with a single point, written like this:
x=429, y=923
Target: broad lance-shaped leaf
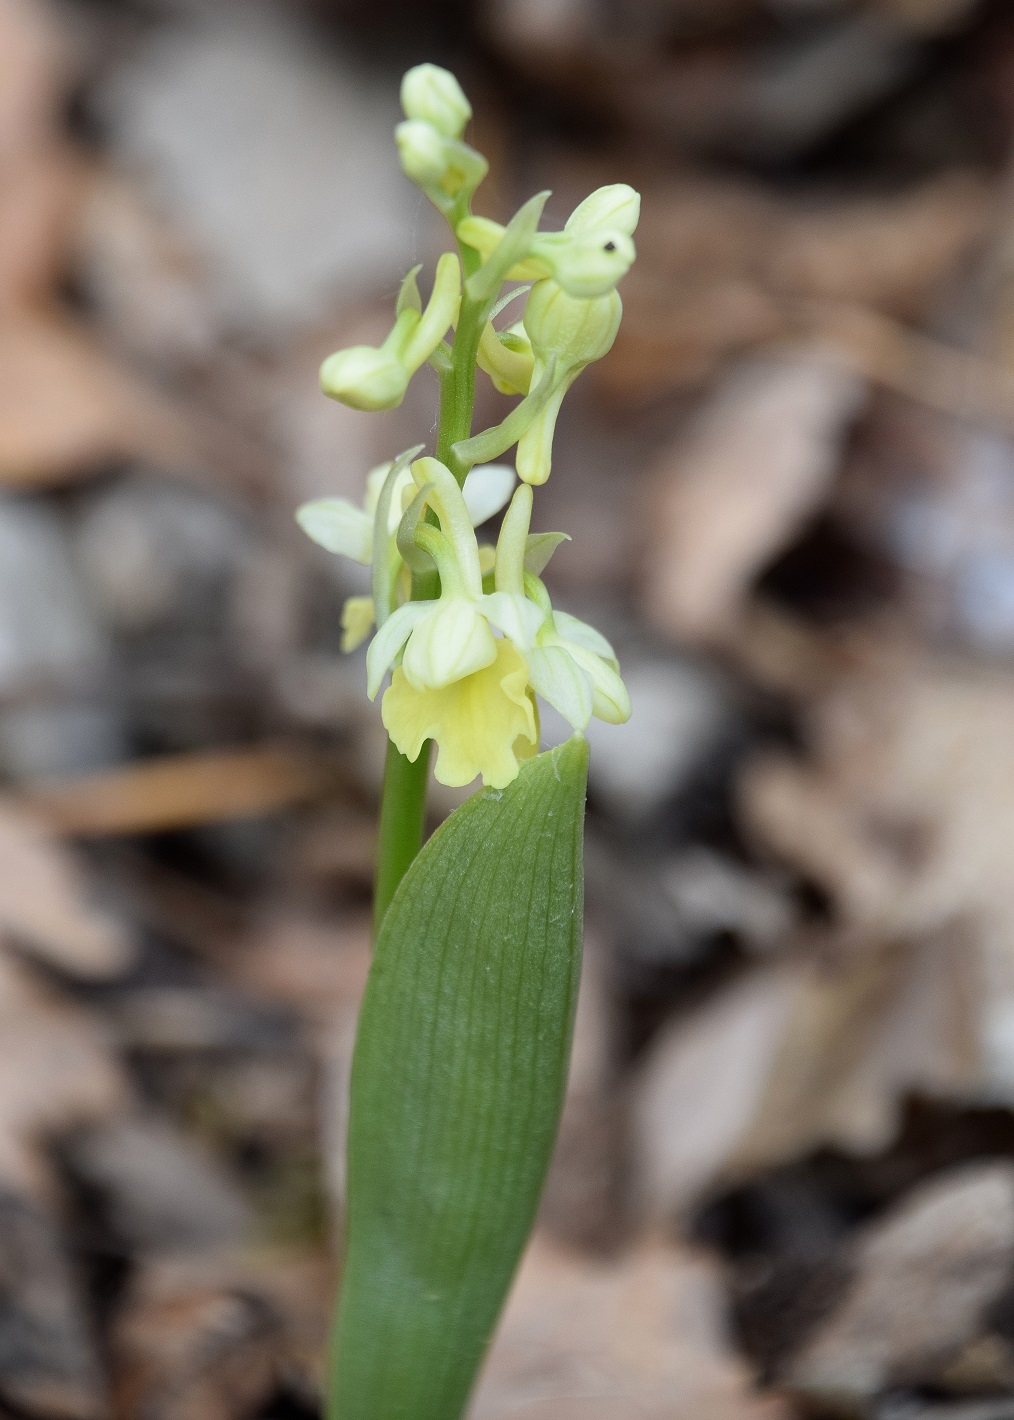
x=457, y=1086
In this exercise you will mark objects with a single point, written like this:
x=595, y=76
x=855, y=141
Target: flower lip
x=479, y=723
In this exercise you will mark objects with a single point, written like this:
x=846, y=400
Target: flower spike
x=468, y=633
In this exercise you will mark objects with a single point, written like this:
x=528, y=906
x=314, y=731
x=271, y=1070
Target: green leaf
x=457, y=1086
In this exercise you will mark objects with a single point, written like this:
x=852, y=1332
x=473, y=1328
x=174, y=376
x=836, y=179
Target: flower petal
x=453, y=641
x=339, y=526
x=581, y=634
x=357, y=621
x=476, y=722
x=514, y=615
x=487, y=489
x=560, y=680
x=389, y=640
x=610, y=697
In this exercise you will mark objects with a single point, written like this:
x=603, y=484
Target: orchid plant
x=464, y=1035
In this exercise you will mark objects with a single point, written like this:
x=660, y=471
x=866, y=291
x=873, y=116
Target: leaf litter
x=782, y=1183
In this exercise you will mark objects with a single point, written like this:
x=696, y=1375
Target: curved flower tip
x=364, y=377
x=574, y=667
x=479, y=723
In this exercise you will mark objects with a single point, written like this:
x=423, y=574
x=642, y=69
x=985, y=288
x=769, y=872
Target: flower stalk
x=467, y=640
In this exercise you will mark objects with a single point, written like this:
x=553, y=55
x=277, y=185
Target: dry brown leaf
x=212, y=1336
x=178, y=791
x=905, y=814
x=213, y=1354
x=859, y=1037
x=797, y=1056
x=33, y=72
x=57, y=1071
x=665, y=345
x=49, y=1369
x=41, y=183
x=315, y=967
x=925, y=1275
x=699, y=1089
x=65, y=407
x=929, y=17
x=39, y=203
x=888, y=354
x=904, y=817
x=642, y=1336
x=43, y=904
x=889, y=254
x=723, y=267
x=759, y=463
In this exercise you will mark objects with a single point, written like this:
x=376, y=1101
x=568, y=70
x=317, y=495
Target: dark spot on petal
x=609, y=246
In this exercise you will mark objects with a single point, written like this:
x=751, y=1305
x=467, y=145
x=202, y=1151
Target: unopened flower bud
x=422, y=150
x=434, y=95
x=364, y=378
x=617, y=207
x=443, y=167
x=575, y=331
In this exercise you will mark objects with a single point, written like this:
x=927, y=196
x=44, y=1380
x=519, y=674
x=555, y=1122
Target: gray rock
x=54, y=654
x=44, y=740
x=674, y=908
x=997, y=1408
x=161, y=1193
x=154, y=552
x=277, y=157
x=48, y=632
x=681, y=716
x=181, y=1019
x=924, y=1276
x=48, y=1367
x=710, y=894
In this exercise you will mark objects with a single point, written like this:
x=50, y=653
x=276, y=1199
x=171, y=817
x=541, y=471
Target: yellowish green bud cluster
x=429, y=141
x=467, y=632
x=433, y=95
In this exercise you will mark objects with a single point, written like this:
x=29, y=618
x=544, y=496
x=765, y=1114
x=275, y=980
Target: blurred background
x=785, y=1180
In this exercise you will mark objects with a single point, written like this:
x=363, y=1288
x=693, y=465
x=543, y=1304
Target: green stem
x=403, y=806
x=402, y=820
x=457, y=390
